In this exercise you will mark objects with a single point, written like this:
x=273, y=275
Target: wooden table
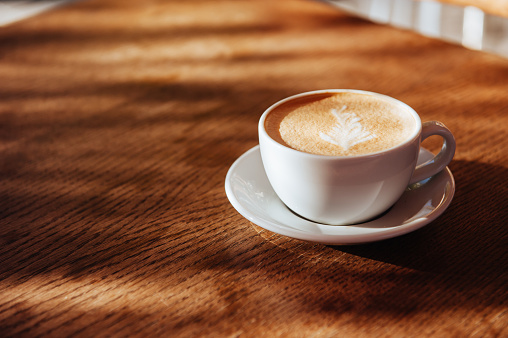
x=119, y=121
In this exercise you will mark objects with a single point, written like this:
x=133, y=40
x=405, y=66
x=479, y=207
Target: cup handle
x=441, y=160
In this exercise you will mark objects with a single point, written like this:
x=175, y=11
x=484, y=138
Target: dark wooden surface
x=119, y=121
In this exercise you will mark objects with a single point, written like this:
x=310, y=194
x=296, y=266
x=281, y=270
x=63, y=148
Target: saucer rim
x=370, y=235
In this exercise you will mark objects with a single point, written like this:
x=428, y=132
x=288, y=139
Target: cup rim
x=410, y=140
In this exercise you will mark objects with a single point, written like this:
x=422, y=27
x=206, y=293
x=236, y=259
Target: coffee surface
x=340, y=124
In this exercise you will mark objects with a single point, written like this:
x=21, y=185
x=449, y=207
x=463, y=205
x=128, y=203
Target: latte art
x=348, y=131
x=340, y=124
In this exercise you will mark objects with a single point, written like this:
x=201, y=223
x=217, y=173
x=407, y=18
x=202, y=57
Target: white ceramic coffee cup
x=349, y=190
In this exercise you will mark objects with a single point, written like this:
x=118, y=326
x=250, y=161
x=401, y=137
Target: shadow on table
x=469, y=238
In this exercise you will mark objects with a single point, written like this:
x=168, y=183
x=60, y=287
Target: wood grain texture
x=119, y=121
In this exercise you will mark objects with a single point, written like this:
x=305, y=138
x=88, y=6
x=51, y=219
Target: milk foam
x=348, y=131
x=341, y=124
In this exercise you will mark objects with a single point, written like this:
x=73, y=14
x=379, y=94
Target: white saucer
x=251, y=194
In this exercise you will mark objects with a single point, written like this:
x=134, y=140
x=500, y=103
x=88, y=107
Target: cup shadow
x=469, y=238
